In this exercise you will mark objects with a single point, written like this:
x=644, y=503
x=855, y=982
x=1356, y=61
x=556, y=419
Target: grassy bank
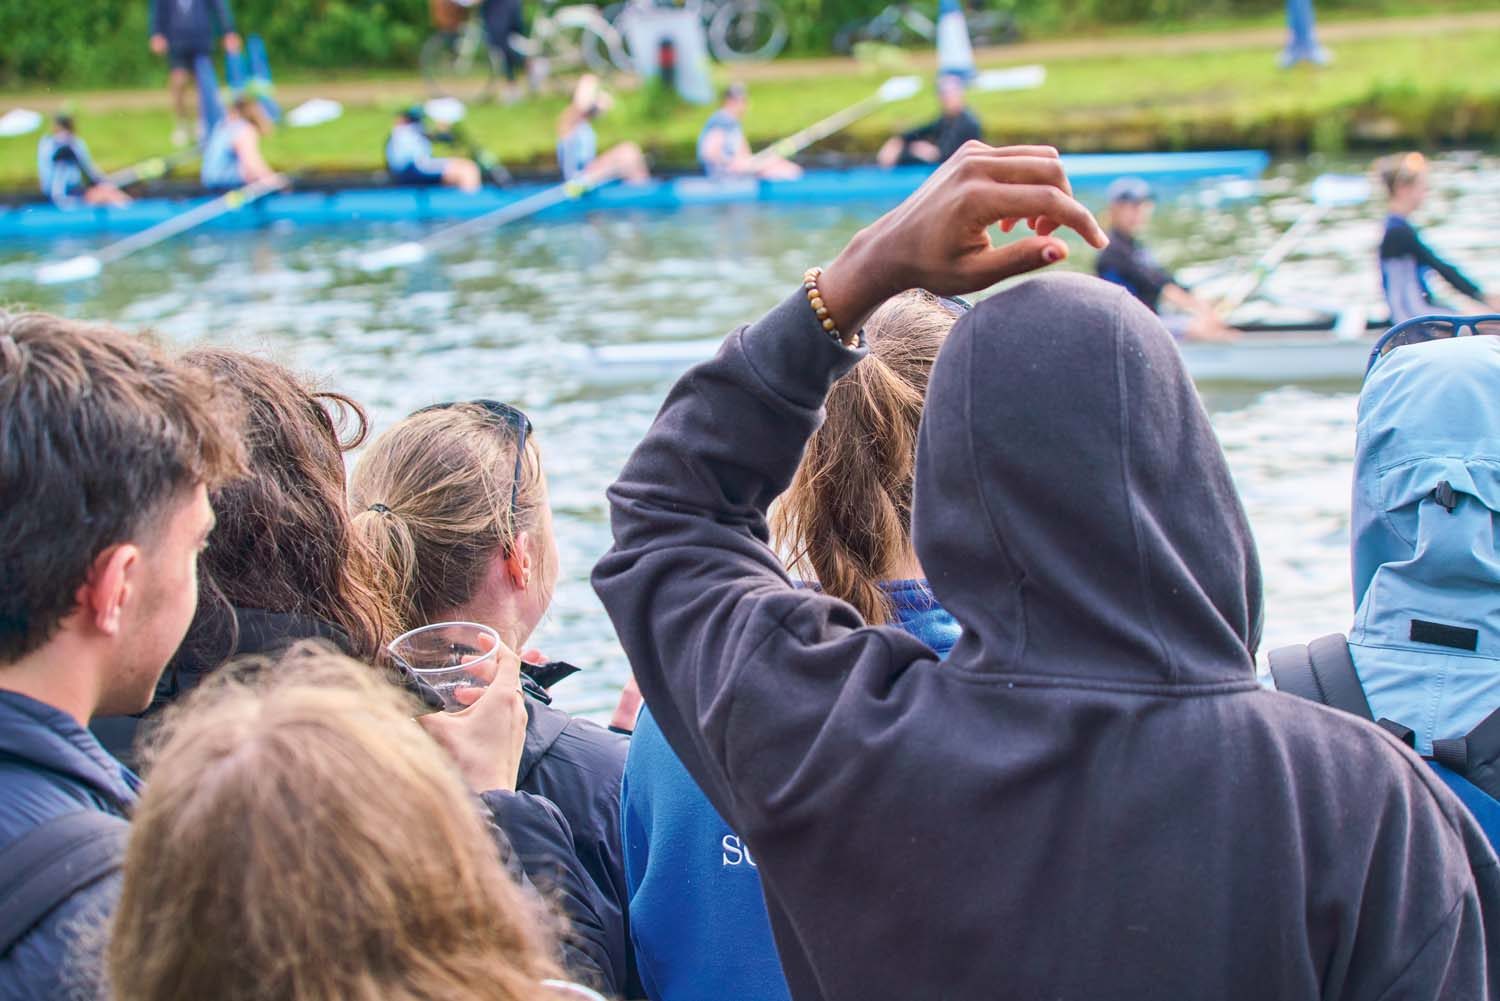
x=1407, y=90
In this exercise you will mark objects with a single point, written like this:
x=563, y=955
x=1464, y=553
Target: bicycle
x=906, y=25
x=568, y=38
x=737, y=30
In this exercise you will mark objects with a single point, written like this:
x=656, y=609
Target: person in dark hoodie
x=1092, y=797
x=844, y=525
x=452, y=505
x=108, y=452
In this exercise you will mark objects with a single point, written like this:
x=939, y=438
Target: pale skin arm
x=252, y=164
x=1207, y=325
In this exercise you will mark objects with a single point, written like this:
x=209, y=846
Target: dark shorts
x=183, y=59
x=416, y=176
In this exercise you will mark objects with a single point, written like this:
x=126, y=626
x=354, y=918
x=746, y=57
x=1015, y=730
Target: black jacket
x=1092, y=797
x=579, y=766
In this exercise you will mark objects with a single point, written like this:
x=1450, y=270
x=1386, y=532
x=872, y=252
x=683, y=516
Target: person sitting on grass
x=409, y=159
x=108, y=453
x=231, y=155
x=578, y=153
x=67, y=172
x=939, y=139
x=1405, y=261
x=723, y=150
x=845, y=527
x=1127, y=262
x=300, y=839
x=1092, y=796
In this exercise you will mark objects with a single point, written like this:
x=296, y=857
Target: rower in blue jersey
x=578, y=155
x=409, y=159
x=723, y=150
x=67, y=172
x=1127, y=262
x=231, y=156
x=1405, y=261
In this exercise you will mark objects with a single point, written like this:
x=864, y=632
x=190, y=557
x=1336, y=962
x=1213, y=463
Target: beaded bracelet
x=815, y=300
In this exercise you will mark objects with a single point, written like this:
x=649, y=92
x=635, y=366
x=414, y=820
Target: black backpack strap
x=1475, y=756
x=50, y=863
x=1322, y=671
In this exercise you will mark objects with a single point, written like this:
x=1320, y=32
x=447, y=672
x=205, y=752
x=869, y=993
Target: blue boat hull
x=396, y=204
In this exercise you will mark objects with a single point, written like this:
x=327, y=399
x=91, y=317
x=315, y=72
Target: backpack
x=1323, y=671
x=50, y=863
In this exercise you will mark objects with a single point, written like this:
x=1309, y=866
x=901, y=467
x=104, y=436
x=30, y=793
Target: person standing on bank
x=1127, y=262
x=1092, y=796
x=182, y=31
x=938, y=139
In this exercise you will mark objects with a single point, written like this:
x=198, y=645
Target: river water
x=508, y=316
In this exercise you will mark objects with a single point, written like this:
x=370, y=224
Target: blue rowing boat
x=398, y=204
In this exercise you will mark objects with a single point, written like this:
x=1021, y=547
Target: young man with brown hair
x=107, y=453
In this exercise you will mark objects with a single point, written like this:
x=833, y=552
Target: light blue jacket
x=1429, y=414
x=697, y=915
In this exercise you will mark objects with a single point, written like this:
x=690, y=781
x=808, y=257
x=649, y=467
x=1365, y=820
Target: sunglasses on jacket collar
x=1431, y=328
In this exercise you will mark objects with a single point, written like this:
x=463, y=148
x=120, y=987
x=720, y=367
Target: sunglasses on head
x=507, y=416
x=1431, y=328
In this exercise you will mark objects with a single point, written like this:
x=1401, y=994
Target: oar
x=1328, y=192
x=416, y=251
x=488, y=162
x=152, y=169
x=89, y=265
x=897, y=88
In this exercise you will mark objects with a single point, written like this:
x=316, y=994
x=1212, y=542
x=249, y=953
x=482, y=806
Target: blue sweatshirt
x=697, y=915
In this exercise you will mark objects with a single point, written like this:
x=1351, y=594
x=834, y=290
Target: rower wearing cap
x=67, y=172
x=409, y=159
x=578, y=153
x=1405, y=261
x=1127, y=262
x=939, y=139
x=723, y=150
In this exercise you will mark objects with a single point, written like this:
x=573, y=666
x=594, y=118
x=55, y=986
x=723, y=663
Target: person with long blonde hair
x=300, y=839
x=844, y=526
x=452, y=506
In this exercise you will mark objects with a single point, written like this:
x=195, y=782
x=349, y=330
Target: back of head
x=100, y=434
x=845, y=521
x=1074, y=511
x=302, y=839
x=283, y=542
x=432, y=502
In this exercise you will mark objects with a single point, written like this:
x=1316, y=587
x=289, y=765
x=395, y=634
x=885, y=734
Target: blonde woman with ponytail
x=452, y=506
x=844, y=526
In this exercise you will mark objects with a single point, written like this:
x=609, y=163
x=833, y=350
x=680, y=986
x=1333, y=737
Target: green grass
x=1408, y=90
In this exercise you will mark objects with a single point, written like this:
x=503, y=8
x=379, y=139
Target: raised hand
x=939, y=238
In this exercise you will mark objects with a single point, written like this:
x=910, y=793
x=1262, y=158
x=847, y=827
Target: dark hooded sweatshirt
x=1092, y=798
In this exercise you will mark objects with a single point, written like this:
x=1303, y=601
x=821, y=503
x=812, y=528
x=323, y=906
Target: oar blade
x=1333, y=190
x=318, y=111
x=74, y=269
x=1010, y=78
x=401, y=255
x=899, y=88
x=19, y=121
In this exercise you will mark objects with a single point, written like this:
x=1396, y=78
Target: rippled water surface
x=510, y=315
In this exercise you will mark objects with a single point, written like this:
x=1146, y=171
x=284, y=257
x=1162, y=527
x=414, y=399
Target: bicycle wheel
x=747, y=29
x=582, y=39
x=459, y=64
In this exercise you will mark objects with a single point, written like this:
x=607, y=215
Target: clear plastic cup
x=448, y=656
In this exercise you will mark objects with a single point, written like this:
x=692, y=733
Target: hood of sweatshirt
x=1424, y=527
x=1073, y=508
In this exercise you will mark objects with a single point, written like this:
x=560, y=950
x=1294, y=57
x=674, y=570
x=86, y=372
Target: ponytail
x=389, y=561
x=845, y=521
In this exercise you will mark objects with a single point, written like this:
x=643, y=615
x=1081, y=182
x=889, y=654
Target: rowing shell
x=1267, y=357
x=398, y=204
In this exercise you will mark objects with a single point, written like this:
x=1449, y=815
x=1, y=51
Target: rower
x=409, y=159
x=723, y=150
x=939, y=139
x=231, y=156
x=67, y=172
x=1405, y=261
x=1127, y=262
x=577, y=145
